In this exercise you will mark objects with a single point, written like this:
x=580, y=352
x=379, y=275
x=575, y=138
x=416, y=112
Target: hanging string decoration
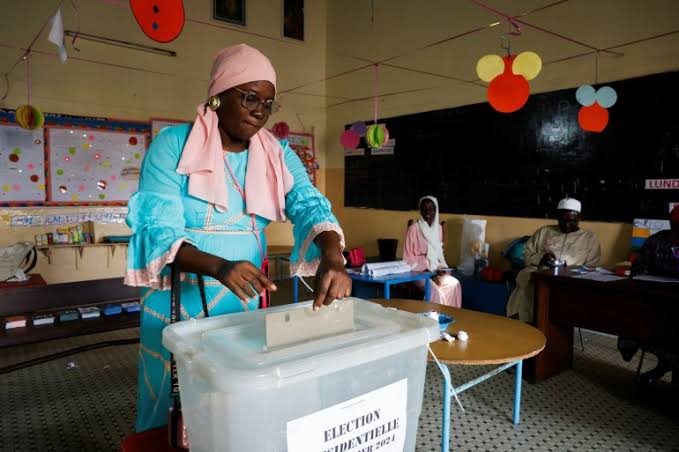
x=376, y=135
x=160, y=20
x=593, y=115
x=28, y=116
x=508, y=90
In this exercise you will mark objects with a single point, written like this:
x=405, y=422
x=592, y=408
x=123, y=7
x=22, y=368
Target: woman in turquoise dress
x=206, y=193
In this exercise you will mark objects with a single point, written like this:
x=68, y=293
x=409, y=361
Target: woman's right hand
x=244, y=279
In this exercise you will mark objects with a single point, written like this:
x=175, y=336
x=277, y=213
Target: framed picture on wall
x=232, y=11
x=293, y=19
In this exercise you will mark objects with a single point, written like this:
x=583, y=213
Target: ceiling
x=427, y=51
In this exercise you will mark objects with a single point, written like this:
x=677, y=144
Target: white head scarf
x=433, y=238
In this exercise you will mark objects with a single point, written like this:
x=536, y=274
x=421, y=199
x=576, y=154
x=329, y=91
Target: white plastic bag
x=17, y=260
x=473, y=244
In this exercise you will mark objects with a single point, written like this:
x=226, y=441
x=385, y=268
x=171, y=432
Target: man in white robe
x=552, y=246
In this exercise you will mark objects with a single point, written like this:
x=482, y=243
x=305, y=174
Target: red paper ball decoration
x=593, y=118
x=508, y=77
x=508, y=92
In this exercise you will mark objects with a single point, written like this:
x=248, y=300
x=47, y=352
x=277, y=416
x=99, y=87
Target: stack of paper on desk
x=385, y=268
x=653, y=278
x=601, y=277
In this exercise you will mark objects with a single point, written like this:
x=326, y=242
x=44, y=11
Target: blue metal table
x=278, y=254
x=387, y=281
x=492, y=340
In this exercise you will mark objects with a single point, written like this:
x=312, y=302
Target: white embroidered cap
x=570, y=204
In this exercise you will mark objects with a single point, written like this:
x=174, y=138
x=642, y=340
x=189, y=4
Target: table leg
x=387, y=291
x=445, y=427
x=558, y=353
x=295, y=289
x=517, y=393
x=427, y=290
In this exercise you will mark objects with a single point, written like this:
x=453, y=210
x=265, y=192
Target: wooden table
x=34, y=279
x=492, y=340
x=644, y=310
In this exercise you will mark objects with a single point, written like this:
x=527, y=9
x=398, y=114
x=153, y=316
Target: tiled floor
x=86, y=402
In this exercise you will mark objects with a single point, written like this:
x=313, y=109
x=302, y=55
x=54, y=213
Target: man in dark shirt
x=660, y=252
x=659, y=256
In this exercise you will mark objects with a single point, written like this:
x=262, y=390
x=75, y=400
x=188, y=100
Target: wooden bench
x=56, y=298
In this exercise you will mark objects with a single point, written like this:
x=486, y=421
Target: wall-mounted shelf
x=80, y=249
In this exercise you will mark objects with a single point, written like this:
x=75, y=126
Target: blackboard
x=478, y=161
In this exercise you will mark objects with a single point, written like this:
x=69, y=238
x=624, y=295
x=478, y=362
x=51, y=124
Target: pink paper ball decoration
x=281, y=130
x=350, y=139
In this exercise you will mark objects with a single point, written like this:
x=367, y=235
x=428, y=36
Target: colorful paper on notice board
x=90, y=165
x=643, y=228
x=303, y=145
x=22, y=164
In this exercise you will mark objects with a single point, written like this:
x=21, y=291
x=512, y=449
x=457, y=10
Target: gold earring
x=214, y=102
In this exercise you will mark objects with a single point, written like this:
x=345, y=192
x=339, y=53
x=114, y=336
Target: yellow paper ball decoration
x=29, y=117
x=376, y=136
x=489, y=67
x=527, y=64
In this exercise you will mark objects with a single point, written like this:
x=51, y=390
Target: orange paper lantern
x=593, y=118
x=508, y=92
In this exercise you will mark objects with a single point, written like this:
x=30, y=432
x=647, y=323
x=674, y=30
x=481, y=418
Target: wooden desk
x=643, y=310
x=58, y=297
x=492, y=340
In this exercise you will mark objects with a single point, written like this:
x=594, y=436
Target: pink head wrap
x=267, y=180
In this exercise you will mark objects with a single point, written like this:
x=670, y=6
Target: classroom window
x=232, y=11
x=293, y=19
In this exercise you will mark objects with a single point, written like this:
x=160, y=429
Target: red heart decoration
x=160, y=20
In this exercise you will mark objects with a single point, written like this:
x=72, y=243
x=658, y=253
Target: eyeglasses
x=251, y=101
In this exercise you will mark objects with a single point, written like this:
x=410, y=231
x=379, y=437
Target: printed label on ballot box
x=373, y=422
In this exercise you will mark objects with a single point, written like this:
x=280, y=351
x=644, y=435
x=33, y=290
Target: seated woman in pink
x=423, y=251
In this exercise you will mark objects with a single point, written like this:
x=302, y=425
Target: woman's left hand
x=335, y=282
